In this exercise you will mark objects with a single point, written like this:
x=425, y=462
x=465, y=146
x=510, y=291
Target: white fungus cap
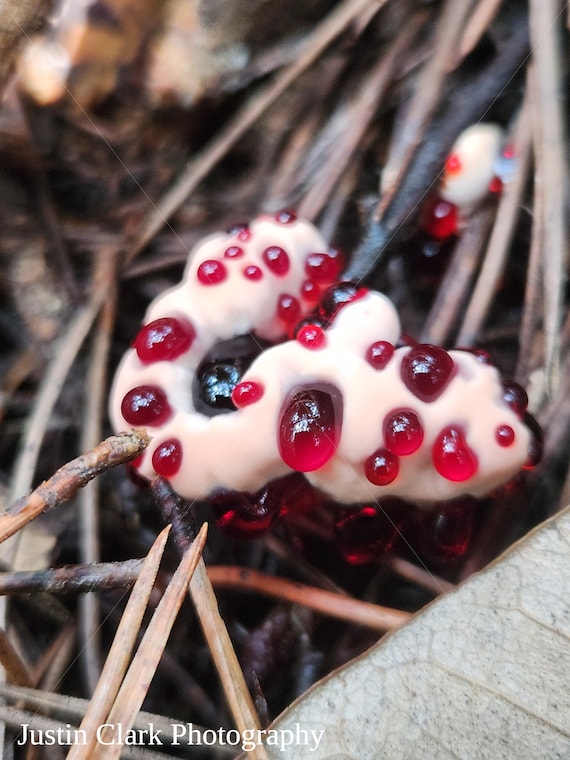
x=476, y=149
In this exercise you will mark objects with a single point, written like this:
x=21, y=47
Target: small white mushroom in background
x=472, y=165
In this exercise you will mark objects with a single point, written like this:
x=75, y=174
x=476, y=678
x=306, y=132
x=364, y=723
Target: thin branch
x=121, y=649
x=141, y=671
x=94, y=402
x=72, y=579
x=547, y=89
x=16, y=670
x=60, y=364
x=349, y=124
x=426, y=97
x=476, y=27
x=68, y=479
x=327, y=602
x=237, y=694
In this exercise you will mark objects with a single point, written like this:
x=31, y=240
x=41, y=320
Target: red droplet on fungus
x=451, y=455
x=164, y=339
x=253, y=272
x=403, y=432
x=426, y=371
x=211, y=272
x=276, y=260
x=146, y=405
x=167, y=458
x=247, y=393
x=382, y=467
x=378, y=354
x=307, y=434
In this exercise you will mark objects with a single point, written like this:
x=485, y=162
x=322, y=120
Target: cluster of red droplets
x=310, y=421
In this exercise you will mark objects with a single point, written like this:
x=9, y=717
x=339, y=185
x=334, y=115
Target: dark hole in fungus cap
x=220, y=371
x=426, y=371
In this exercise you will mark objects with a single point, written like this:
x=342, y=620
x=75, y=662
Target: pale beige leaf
x=480, y=674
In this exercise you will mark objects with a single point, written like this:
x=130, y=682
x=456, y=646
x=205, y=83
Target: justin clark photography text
x=178, y=734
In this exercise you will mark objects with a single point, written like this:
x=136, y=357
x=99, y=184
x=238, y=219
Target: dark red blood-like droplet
x=515, y=396
x=146, y=405
x=453, y=164
x=307, y=434
x=366, y=533
x=285, y=216
x=252, y=272
x=288, y=308
x=164, y=339
x=247, y=393
x=211, y=272
x=451, y=455
x=310, y=291
x=440, y=219
x=248, y=515
x=322, y=268
x=338, y=255
x=238, y=227
x=446, y=532
x=338, y=295
x=426, y=370
x=379, y=354
x=505, y=435
x=312, y=336
x=276, y=260
x=167, y=458
x=241, y=230
x=382, y=467
x=311, y=320
x=294, y=493
x=403, y=432
x=496, y=185
x=244, y=515
x=233, y=252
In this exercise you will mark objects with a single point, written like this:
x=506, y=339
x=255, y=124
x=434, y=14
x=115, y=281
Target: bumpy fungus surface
x=336, y=401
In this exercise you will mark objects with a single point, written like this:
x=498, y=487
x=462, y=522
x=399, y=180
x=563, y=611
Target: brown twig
x=141, y=671
x=239, y=700
x=532, y=309
x=95, y=390
x=72, y=579
x=475, y=27
x=348, y=125
x=418, y=575
x=327, y=602
x=551, y=169
x=15, y=668
x=68, y=479
x=121, y=649
x=426, y=98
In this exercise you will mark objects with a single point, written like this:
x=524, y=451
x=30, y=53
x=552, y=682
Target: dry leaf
x=481, y=673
